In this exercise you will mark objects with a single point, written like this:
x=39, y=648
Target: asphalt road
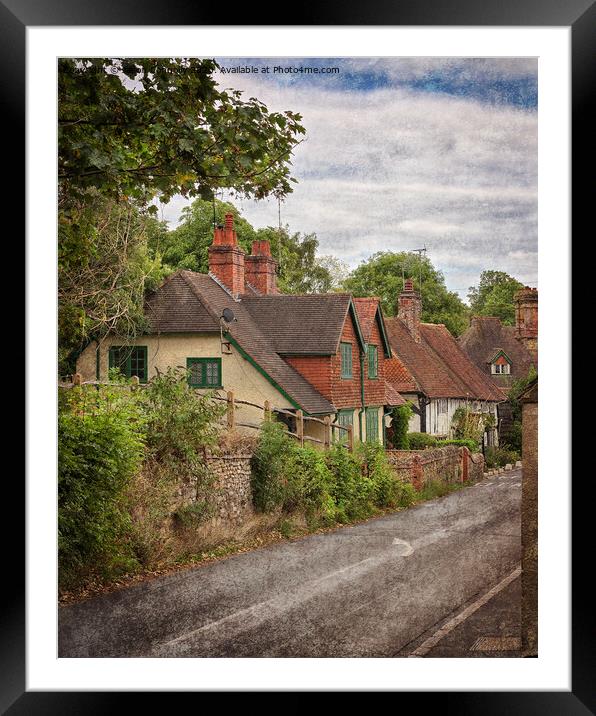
x=370, y=590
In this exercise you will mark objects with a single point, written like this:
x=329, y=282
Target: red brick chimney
x=526, y=318
x=261, y=268
x=410, y=308
x=226, y=257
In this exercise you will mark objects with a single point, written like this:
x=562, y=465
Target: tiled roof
x=400, y=376
x=369, y=310
x=201, y=292
x=309, y=324
x=392, y=397
x=437, y=364
x=485, y=337
x=176, y=309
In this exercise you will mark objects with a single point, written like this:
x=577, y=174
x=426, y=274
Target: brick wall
x=316, y=370
x=447, y=464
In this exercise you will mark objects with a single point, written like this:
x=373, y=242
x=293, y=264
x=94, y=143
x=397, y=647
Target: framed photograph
x=283, y=281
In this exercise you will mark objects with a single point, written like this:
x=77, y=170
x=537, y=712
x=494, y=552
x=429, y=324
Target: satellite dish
x=228, y=315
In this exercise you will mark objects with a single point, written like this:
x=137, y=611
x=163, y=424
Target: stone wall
x=447, y=464
x=227, y=488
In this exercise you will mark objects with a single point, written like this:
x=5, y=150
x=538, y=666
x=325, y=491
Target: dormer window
x=500, y=364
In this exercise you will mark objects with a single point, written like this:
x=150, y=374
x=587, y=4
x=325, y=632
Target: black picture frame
x=580, y=15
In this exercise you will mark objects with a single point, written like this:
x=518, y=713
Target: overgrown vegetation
x=500, y=456
x=122, y=455
x=331, y=486
x=469, y=425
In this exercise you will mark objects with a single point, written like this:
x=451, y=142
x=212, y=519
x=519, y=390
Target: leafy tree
x=160, y=126
x=185, y=247
x=104, y=268
x=300, y=270
x=494, y=296
x=128, y=131
x=381, y=275
x=338, y=271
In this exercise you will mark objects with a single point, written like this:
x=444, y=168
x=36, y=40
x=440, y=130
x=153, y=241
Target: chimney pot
x=410, y=308
x=261, y=268
x=226, y=257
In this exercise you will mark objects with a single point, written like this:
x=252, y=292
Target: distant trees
x=494, y=296
x=382, y=275
x=300, y=269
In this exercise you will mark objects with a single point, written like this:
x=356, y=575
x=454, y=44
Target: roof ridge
x=458, y=381
x=200, y=296
x=479, y=374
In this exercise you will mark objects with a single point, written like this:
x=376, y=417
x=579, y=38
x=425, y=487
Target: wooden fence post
x=300, y=426
x=350, y=438
x=267, y=411
x=231, y=410
x=327, y=428
x=77, y=379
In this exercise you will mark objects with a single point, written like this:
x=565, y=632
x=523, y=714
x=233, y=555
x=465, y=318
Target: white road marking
x=408, y=547
x=250, y=617
x=449, y=626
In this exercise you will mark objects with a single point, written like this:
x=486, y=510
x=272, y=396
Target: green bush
x=181, y=421
x=308, y=481
x=500, y=456
x=399, y=427
x=388, y=490
x=121, y=456
x=270, y=486
x=335, y=484
x=352, y=493
x=100, y=448
x=421, y=441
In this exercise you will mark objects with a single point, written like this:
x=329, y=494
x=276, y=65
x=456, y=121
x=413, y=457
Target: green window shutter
x=373, y=362
x=346, y=418
x=204, y=372
x=346, y=360
x=372, y=425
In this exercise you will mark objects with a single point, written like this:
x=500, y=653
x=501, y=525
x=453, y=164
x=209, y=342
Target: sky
x=406, y=153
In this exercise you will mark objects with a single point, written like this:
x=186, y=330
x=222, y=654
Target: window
x=373, y=362
x=204, y=372
x=442, y=405
x=131, y=360
x=372, y=425
x=501, y=369
x=346, y=360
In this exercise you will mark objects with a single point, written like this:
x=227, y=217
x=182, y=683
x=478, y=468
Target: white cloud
x=393, y=169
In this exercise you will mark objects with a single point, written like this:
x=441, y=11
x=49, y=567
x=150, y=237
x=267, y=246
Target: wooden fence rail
x=231, y=406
